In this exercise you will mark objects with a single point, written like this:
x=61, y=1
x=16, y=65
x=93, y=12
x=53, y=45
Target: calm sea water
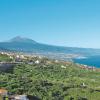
x=91, y=61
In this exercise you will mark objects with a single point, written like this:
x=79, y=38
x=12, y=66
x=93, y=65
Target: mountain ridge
x=22, y=44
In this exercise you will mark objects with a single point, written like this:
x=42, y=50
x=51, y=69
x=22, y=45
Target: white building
x=21, y=97
x=37, y=62
x=63, y=66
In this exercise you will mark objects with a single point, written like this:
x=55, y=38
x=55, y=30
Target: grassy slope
x=49, y=81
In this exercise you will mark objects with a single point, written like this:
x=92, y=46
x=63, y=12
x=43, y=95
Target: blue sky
x=74, y=23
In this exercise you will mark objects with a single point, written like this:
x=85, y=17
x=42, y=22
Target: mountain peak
x=22, y=40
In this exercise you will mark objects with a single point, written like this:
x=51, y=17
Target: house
x=63, y=66
x=21, y=97
x=17, y=56
x=11, y=57
x=3, y=92
x=2, y=53
x=37, y=62
x=22, y=57
x=56, y=61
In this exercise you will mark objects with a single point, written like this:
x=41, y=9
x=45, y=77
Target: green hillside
x=52, y=80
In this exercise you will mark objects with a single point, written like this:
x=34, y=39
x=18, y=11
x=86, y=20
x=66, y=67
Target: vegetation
x=48, y=80
x=5, y=58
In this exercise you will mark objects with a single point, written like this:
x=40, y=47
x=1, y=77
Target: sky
x=73, y=23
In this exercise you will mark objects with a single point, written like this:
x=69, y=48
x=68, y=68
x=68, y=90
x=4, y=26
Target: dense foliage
x=51, y=80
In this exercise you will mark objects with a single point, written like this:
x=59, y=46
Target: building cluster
x=15, y=56
x=86, y=67
x=4, y=95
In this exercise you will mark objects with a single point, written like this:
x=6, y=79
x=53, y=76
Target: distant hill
x=19, y=39
x=21, y=44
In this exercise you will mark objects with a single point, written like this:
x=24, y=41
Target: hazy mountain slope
x=28, y=45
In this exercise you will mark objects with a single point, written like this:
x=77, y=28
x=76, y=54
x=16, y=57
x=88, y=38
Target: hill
x=52, y=80
x=30, y=46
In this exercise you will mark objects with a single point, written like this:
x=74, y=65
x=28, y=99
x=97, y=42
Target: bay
x=90, y=61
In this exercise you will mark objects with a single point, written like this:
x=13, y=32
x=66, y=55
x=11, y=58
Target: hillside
x=52, y=80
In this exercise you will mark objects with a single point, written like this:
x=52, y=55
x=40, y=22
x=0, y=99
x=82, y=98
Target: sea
x=90, y=61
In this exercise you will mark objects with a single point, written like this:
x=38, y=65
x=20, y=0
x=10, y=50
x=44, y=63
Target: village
x=17, y=58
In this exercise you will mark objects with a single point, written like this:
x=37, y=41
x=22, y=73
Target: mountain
x=21, y=44
x=19, y=39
